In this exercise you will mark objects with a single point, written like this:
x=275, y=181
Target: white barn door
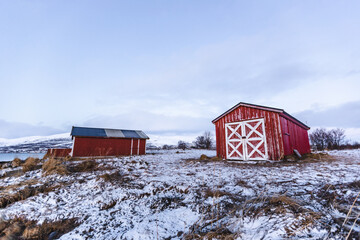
x=246, y=140
x=234, y=141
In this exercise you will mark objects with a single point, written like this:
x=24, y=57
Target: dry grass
x=16, y=162
x=108, y=205
x=115, y=177
x=84, y=166
x=20, y=228
x=54, y=166
x=242, y=183
x=30, y=164
x=215, y=193
x=204, y=157
x=221, y=233
x=216, y=158
x=25, y=193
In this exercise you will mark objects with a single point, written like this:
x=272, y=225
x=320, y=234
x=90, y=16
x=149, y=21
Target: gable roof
x=107, y=133
x=271, y=109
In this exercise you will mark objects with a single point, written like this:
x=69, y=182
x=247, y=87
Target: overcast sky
x=173, y=66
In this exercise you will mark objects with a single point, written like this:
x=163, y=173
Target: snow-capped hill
x=35, y=143
x=32, y=139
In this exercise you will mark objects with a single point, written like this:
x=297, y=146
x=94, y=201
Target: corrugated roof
x=260, y=107
x=107, y=133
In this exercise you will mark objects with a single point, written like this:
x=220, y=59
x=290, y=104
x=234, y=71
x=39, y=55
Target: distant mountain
x=35, y=144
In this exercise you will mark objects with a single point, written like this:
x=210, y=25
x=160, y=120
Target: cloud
x=152, y=123
x=17, y=129
x=344, y=116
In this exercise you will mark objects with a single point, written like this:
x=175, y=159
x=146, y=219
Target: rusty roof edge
x=272, y=109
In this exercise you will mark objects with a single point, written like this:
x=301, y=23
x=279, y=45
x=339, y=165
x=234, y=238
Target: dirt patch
x=20, y=228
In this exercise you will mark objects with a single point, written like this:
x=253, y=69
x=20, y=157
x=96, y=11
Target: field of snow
x=174, y=195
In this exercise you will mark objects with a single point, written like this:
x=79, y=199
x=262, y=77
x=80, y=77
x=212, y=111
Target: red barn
x=253, y=132
x=107, y=142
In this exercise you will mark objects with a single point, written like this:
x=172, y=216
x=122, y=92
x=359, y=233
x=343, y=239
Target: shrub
x=16, y=162
x=30, y=164
x=84, y=166
x=182, y=145
x=55, y=166
x=330, y=139
x=204, y=142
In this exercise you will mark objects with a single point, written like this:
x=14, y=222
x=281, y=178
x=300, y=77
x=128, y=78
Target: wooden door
x=246, y=140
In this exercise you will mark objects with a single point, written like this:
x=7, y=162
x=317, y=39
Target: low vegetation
x=24, y=193
x=55, y=166
x=21, y=228
x=16, y=162
x=31, y=164
x=322, y=138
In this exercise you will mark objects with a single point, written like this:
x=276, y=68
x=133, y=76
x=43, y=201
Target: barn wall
x=142, y=147
x=272, y=130
x=88, y=146
x=294, y=137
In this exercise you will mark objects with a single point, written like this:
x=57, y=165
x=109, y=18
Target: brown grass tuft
x=20, y=228
x=216, y=158
x=108, y=205
x=113, y=177
x=55, y=166
x=30, y=164
x=204, y=157
x=215, y=193
x=220, y=233
x=24, y=193
x=84, y=166
x=16, y=162
x=282, y=200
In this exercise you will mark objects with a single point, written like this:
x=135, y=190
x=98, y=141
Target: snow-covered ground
x=174, y=195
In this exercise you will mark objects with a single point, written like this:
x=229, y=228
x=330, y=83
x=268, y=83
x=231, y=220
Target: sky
x=170, y=67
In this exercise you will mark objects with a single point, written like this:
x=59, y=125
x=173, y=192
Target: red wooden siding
x=91, y=146
x=272, y=129
x=294, y=136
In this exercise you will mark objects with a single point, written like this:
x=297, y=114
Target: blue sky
x=173, y=66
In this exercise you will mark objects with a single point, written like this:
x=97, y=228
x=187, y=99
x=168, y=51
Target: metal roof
x=107, y=133
x=271, y=109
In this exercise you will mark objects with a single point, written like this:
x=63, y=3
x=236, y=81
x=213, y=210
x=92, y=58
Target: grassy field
x=182, y=195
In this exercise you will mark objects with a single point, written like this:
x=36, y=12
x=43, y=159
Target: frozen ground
x=171, y=195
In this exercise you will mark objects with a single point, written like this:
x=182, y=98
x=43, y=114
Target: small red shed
x=107, y=142
x=253, y=132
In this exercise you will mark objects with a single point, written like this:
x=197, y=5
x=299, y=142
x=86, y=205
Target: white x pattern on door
x=246, y=140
